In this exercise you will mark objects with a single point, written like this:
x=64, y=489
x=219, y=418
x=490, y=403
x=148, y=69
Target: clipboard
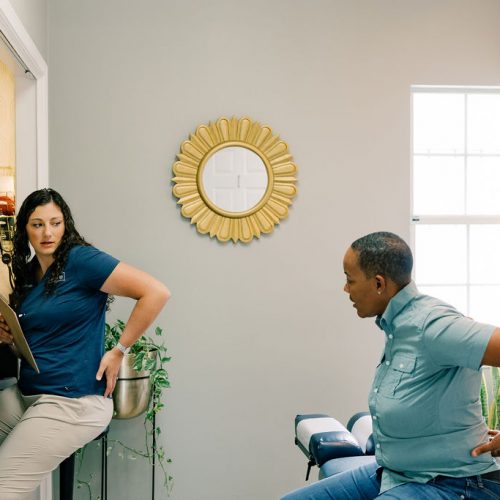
x=17, y=333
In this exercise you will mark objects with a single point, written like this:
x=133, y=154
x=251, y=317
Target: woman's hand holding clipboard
x=5, y=335
x=14, y=334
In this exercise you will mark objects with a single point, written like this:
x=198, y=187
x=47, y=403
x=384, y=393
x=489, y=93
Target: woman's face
x=45, y=229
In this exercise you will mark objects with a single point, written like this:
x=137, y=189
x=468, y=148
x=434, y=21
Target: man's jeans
x=364, y=484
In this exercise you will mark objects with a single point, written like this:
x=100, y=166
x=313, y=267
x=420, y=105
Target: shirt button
x=401, y=365
x=376, y=389
x=378, y=445
x=374, y=417
x=391, y=336
x=387, y=363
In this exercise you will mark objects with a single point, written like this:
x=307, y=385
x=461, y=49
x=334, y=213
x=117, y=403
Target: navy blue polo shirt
x=65, y=330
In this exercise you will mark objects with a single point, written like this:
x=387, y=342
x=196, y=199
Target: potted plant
x=139, y=388
x=490, y=396
x=142, y=376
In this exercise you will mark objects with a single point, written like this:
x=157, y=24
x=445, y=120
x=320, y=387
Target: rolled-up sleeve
x=455, y=340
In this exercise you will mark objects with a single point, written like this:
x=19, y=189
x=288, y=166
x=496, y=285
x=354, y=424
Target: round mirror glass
x=235, y=179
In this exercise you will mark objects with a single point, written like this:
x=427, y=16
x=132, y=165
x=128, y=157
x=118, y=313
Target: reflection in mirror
x=235, y=179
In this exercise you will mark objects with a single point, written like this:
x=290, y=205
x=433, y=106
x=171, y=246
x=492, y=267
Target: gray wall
x=262, y=332
x=33, y=15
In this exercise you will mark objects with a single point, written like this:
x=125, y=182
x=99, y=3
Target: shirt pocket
x=399, y=371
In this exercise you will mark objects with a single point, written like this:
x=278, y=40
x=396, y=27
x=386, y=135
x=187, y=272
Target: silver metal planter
x=133, y=389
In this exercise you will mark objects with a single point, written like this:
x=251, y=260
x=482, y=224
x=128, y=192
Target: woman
x=60, y=297
x=424, y=401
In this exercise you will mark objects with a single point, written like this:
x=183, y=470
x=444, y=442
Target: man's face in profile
x=363, y=291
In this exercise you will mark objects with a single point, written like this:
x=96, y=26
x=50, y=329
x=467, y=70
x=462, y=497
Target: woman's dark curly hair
x=23, y=268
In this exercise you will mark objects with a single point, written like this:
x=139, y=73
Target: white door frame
x=17, y=36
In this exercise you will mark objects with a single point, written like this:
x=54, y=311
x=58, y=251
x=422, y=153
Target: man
x=424, y=401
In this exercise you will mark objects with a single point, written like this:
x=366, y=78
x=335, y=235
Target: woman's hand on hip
x=5, y=335
x=110, y=366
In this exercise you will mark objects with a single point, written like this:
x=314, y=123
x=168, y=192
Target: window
x=456, y=197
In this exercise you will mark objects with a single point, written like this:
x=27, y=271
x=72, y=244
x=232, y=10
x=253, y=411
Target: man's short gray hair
x=386, y=254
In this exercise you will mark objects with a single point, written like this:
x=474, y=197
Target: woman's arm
x=151, y=296
x=6, y=337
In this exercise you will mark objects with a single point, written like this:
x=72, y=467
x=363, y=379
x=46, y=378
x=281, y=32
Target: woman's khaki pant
x=38, y=432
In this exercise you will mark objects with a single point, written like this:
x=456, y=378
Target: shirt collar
x=396, y=304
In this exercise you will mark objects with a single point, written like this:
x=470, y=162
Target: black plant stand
x=154, y=458
x=67, y=471
x=67, y=468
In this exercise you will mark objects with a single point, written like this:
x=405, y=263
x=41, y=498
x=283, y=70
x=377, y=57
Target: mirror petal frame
x=196, y=205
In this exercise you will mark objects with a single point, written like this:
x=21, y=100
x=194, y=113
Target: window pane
x=454, y=295
x=484, y=253
x=438, y=123
x=440, y=254
x=483, y=186
x=484, y=302
x=483, y=123
x=439, y=185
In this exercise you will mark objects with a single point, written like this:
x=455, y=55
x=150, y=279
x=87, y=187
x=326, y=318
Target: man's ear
x=380, y=283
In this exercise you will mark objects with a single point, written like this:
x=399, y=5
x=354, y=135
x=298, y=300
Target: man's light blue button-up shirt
x=425, y=396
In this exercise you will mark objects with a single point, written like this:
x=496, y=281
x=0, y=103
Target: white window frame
x=466, y=220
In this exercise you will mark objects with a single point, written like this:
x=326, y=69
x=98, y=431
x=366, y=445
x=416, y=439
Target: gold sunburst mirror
x=234, y=179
